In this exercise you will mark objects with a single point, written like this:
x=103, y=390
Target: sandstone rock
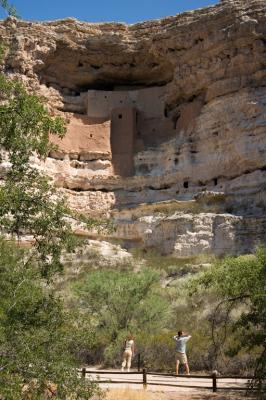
x=199, y=178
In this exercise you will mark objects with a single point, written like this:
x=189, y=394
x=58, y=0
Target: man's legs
x=177, y=366
x=182, y=359
x=187, y=368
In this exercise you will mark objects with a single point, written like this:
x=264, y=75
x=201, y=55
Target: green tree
x=29, y=204
x=240, y=285
x=9, y=8
x=36, y=335
x=120, y=302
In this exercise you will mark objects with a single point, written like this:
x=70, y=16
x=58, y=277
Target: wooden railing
x=145, y=374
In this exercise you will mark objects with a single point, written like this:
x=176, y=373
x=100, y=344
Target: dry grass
x=128, y=394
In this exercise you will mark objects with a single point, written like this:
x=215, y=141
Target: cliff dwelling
x=166, y=123
x=120, y=122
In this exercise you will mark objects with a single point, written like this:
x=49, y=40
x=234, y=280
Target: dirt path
x=171, y=387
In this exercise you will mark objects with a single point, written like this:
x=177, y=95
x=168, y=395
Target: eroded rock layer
x=167, y=122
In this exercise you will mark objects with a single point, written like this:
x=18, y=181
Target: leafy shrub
x=119, y=302
x=240, y=286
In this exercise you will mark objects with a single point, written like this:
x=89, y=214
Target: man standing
x=181, y=343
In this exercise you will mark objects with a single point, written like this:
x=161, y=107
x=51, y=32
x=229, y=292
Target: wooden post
x=144, y=373
x=83, y=373
x=214, y=382
x=138, y=362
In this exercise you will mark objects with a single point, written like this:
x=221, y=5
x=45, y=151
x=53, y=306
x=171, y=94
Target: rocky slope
x=204, y=188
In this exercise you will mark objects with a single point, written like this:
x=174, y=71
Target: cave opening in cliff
x=131, y=99
x=116, y=86
x=63, y=70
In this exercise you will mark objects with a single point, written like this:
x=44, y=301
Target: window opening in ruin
x=120, y=116
x=166, y=113
x=90, y=135
x=215, y=181
x=199, y=40
x=185, y=184
x=80, y=64
x=175, y=120
x=192, y=98
x=176, y=161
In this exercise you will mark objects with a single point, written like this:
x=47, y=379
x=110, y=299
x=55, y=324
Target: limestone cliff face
x=198, y=181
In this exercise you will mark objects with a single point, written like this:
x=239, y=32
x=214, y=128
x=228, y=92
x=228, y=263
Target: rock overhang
x=210, y=63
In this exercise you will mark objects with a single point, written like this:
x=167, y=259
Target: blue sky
x=129, y=11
